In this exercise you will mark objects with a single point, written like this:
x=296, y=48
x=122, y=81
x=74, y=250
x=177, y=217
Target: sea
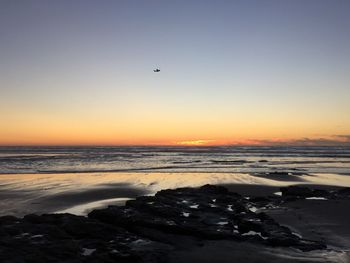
x=232, y=159
x=79, y=179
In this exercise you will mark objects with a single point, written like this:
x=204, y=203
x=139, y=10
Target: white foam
x=316, y=198
x=253, y=233
x=297, y=234
x=278, y=193
x=229, y=208
x=253, y=209
x=88, y=251
x=194, y=206
x=222, y=223
x=186, y=214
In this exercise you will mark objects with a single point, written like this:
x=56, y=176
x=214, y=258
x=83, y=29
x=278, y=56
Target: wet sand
x=318, y=220
x=48, y=193
x=230, y=251
x=20, y=203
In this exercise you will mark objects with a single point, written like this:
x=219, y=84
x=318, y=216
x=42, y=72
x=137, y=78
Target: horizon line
x=175, y=146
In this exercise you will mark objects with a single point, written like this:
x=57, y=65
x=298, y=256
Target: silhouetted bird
x=156, y=70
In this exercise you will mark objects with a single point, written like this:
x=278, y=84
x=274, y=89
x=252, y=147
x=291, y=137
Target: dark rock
x=212, y=189
x=344, y=192
x=146, y=228
x=69, y=238
x=292, y=193
x=296, y=191
x=209, y=212
x=4, y=220
x=320, y=193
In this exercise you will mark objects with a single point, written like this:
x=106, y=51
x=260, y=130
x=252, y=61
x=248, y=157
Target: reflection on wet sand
x=87, y=207
x=43, y=193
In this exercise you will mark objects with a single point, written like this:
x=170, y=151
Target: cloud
x=335, y=140
x=345, y=137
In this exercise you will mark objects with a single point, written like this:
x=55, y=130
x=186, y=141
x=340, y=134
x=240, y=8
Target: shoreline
x=21, y=194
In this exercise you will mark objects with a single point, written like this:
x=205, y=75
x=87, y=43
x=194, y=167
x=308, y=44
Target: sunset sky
x=232, y=72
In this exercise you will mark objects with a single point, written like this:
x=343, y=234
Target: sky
x=232, y=72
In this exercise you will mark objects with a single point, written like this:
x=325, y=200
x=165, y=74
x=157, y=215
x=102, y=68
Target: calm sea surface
x=17, y=160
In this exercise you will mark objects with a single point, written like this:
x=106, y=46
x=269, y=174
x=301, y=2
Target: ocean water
x=78, y=179
x=228, y=159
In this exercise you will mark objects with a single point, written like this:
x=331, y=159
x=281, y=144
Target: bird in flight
x=156, y=70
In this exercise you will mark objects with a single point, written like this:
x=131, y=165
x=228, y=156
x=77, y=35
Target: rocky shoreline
x=148, y=228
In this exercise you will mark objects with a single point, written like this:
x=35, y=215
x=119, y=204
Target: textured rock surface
x=69, y=238
x=210, y=212
x=302, y=192
x=147, y=228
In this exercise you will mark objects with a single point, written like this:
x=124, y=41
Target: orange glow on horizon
x=23, y=128
x=196, y=142
x=74, y=141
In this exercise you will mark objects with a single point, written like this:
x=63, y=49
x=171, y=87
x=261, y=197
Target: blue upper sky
x=280, y=66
